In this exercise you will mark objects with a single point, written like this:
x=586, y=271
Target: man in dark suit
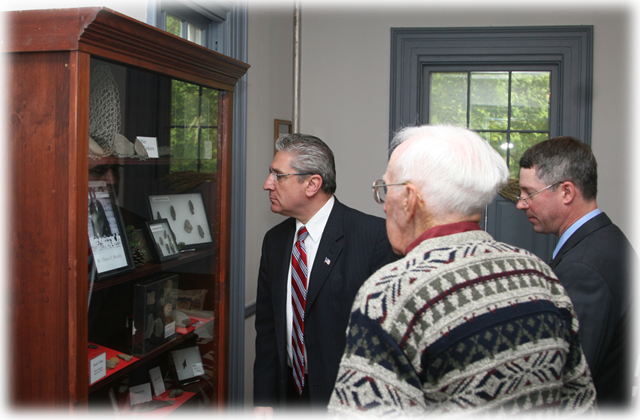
x=300, y=339
x=593, y=258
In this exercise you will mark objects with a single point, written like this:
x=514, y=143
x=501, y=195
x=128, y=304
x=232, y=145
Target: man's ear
x=411, y=201
x=314, y=184
x=569, y=192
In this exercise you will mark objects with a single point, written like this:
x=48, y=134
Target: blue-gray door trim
x=235, y=33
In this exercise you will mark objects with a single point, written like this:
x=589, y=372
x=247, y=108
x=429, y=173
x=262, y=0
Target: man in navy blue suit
x=342, y=247
x=593, y=259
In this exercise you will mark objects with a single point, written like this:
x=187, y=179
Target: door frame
x=568, y=50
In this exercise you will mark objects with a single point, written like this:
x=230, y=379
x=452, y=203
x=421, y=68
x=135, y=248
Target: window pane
x=209, y=107
x=173, y=25
x=195, y=34
x=184, y=103
x=448, y=99
x=178, y=142
x=498, y=141
x=521, y=142
x=530, y=96
x=489, y=101
x=488, y=107
x=194, y=116
x=209, y=149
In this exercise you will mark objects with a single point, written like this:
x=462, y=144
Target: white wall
x=270, y=96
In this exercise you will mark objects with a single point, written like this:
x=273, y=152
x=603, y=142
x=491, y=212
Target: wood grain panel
x=39, y=210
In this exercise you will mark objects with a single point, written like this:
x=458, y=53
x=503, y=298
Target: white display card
x=156, y=380
x=151, y=146
x=169, y=329
x=97, y=368
x=197, y=368
x=140, y=394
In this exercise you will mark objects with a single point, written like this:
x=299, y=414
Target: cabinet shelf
x=149, y=269
x=176, y=403
x=110, y=379
x=126, y=161
x=131, y=161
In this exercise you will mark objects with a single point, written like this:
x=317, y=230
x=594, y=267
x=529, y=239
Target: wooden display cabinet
x=76, y=73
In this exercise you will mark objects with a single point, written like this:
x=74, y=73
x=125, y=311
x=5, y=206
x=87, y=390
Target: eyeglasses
x=526, y=198
x=278, y=176
x=379, y=188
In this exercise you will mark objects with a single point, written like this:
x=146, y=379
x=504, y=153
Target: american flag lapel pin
x=327, y=261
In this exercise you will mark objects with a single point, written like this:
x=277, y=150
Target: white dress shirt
x=315, y=227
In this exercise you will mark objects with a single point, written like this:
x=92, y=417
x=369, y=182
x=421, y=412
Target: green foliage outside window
x=509, y=109
x=173, y=25
x=530, y=98
x=448, y=99
x=182, y=28
x=194, y=127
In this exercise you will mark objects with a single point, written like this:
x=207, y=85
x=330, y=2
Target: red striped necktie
x=299, y=275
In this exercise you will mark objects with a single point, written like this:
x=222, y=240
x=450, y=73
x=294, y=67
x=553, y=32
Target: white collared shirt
x=315, y=226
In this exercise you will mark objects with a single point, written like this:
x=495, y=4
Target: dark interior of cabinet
x=146, y=108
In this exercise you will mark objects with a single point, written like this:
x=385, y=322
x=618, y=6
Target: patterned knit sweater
x=462, y=322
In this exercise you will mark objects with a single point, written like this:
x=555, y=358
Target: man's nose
x=268, y=183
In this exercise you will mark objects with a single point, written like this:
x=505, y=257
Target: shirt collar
x=575, y=226
x=443, y=230
x=315, y=225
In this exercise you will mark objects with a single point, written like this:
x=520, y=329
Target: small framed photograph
x=281, y=128
x=163, y=239
x=186, y=215
x=107, y=238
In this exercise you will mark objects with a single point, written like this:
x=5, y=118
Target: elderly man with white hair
x=462, y=322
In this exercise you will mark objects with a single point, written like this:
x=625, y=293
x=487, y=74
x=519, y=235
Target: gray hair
x=564, y=159
x=456, y=170
x=311, y=155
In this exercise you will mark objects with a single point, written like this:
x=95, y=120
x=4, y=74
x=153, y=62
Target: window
x=196, y=20
x=515, y=86
x=510, y=109
x=194, y=109
x=185, y=29
x=563, y=52
x=193, y=128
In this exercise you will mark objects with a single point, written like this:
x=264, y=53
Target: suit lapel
x=282, y=278
x=585, y=230
x=328, y=252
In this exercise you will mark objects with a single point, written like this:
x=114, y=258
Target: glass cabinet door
x=153, y=223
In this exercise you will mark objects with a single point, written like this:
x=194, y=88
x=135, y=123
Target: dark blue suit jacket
x=594, y=265
x=355, y=245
